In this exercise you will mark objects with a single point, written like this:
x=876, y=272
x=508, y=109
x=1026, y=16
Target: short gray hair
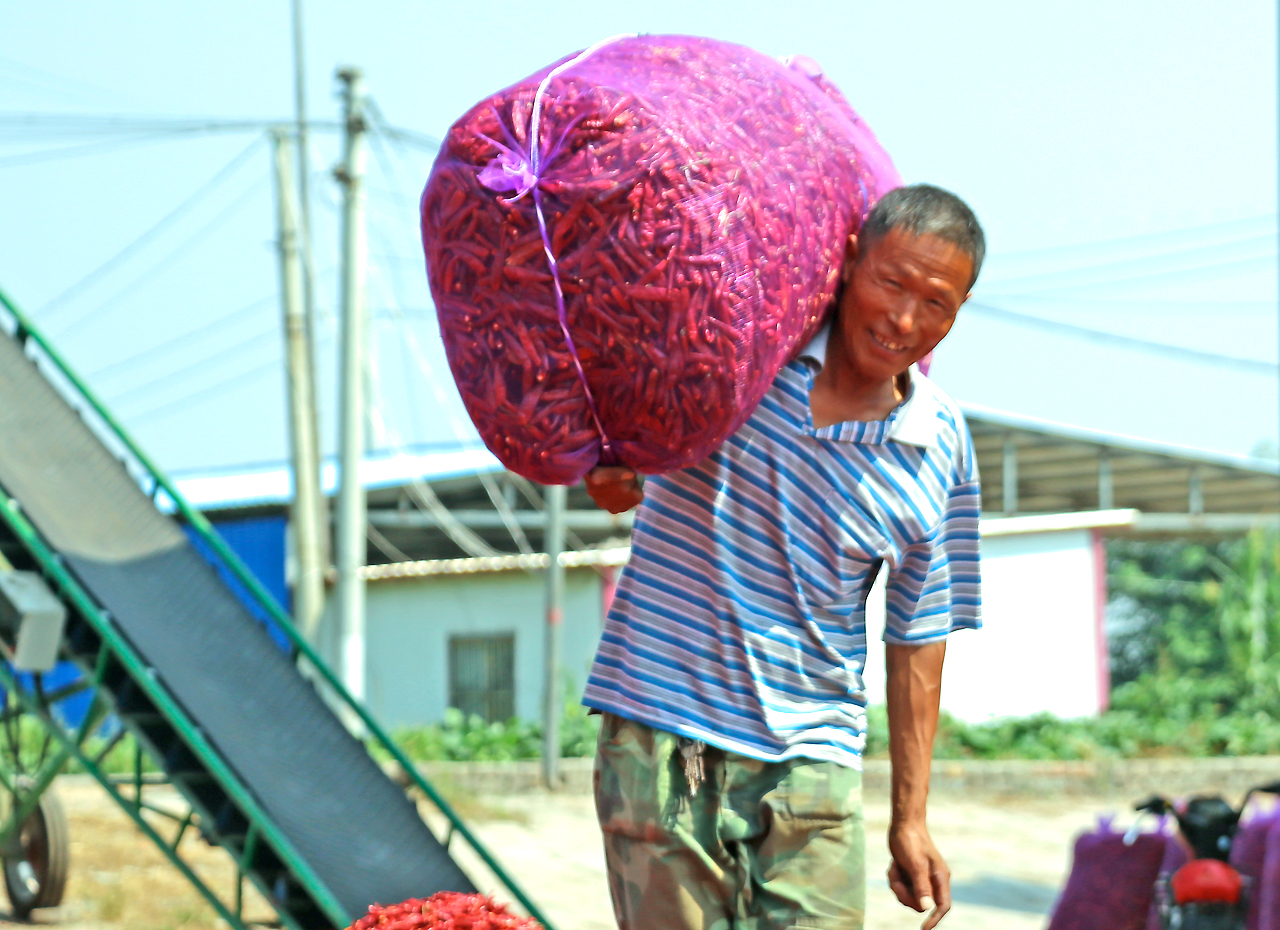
x=921, y=209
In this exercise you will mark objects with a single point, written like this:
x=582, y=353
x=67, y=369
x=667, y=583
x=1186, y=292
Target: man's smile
x=887, y=344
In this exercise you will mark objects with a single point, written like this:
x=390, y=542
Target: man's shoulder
x=952, y=429
x=947, y=408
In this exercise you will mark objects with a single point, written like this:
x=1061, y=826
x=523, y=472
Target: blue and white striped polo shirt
x=740, y=618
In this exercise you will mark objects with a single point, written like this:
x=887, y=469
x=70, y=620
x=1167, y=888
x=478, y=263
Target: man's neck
x=841, y=394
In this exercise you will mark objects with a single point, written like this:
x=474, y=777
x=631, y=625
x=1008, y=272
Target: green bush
x=459, y=738
x=1119, y=733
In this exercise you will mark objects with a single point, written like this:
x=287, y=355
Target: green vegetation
x=25, y=745
x=459, y=738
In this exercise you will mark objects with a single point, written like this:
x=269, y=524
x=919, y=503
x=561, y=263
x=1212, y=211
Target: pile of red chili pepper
x=690, y=199
x=445, y=910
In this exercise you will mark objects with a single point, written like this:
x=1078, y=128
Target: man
x=730, y=668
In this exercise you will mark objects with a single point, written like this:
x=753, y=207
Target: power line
x=1143, y=345
x=152, y=386
x=59, y=84
x=1145, y=238
x=78, y=151
x=60, y=125
x=186, y=400
x=1123, y=271
x=1149, y=303
x=223, y=173
x=420, y=140
x=195, y=238
x=177, y=341
x=186, y=338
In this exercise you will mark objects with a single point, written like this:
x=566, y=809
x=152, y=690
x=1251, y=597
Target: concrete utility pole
x=307, y=520
x=351, y=529
x=304, y=238
x=304, y=163
x=554, y=700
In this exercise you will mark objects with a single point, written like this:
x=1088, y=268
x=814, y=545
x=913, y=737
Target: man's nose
x=903, y=316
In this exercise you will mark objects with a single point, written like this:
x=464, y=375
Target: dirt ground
x=1008, y=857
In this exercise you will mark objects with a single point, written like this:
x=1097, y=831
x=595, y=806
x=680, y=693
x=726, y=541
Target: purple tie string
x=515, y=169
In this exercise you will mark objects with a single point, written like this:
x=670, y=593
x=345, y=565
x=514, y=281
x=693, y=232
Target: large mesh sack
x=1112, y=881
x=625, y=247
x=1255, y=852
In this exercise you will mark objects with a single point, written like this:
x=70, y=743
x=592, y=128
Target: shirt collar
x=915, y=420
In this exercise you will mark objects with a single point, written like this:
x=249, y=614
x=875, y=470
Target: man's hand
x=917, y=874
x=616, y=490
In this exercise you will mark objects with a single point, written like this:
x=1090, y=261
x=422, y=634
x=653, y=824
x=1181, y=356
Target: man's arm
x=917, y=875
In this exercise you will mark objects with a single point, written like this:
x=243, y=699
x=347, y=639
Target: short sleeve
x=937, y=586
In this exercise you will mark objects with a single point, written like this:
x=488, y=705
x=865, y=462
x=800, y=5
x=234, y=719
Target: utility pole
x=553, y=707
x=351, y=529
x=307, y=517
x=304, y=242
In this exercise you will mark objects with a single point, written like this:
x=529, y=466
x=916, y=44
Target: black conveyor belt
x=348, y=820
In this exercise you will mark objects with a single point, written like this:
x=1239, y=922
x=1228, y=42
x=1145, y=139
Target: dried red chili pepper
x=695, y=198
x=445, y=910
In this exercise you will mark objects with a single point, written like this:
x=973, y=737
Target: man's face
x=900, y=298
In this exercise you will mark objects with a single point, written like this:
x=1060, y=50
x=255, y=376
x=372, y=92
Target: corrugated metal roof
x=1058, y=469
x=1061, y=468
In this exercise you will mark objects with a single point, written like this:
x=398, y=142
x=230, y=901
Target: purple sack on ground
x=1112, y=884
x=625, y=247
x=1256, y=854
x=1269, y=886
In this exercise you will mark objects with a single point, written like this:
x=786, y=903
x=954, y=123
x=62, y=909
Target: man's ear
x=850, y=258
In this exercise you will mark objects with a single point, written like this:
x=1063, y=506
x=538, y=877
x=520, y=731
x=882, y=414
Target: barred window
x=482, y=676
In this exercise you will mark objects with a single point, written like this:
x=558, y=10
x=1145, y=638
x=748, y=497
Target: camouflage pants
x=761, y=846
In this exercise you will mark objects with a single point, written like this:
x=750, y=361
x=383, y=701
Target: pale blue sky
x=1121, y=156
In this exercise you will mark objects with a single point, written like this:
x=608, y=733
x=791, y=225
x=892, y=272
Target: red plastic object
x=619, y=277
x=1206, y=881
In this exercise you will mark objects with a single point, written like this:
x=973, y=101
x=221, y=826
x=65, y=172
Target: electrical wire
x=1268, y=221
x=157, y=384
x=405, y=136
x=222, y=175
x=419, y=491
x=1143, y=345
x=496, y=497
x=387, y=547
x=178, y=341
x=194, y=239
x=71, y=125
x=56, y=84
x=1118, y=273
x=187, y=400
x=43, y=156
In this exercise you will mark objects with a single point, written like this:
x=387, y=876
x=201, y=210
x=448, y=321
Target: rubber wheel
x=38, y=877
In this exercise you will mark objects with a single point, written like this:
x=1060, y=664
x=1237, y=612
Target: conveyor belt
x=355, y=828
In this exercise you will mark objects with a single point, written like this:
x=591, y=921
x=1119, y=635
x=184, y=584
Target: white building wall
x=1041, y=647
x=409, y=623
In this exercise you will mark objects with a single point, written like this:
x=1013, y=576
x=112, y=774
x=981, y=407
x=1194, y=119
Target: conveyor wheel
x=35, y=873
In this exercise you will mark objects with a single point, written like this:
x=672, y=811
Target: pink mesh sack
x=625, y=247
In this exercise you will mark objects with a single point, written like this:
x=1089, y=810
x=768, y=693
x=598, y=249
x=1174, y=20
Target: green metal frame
x=80, y=600
x=72, y=747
